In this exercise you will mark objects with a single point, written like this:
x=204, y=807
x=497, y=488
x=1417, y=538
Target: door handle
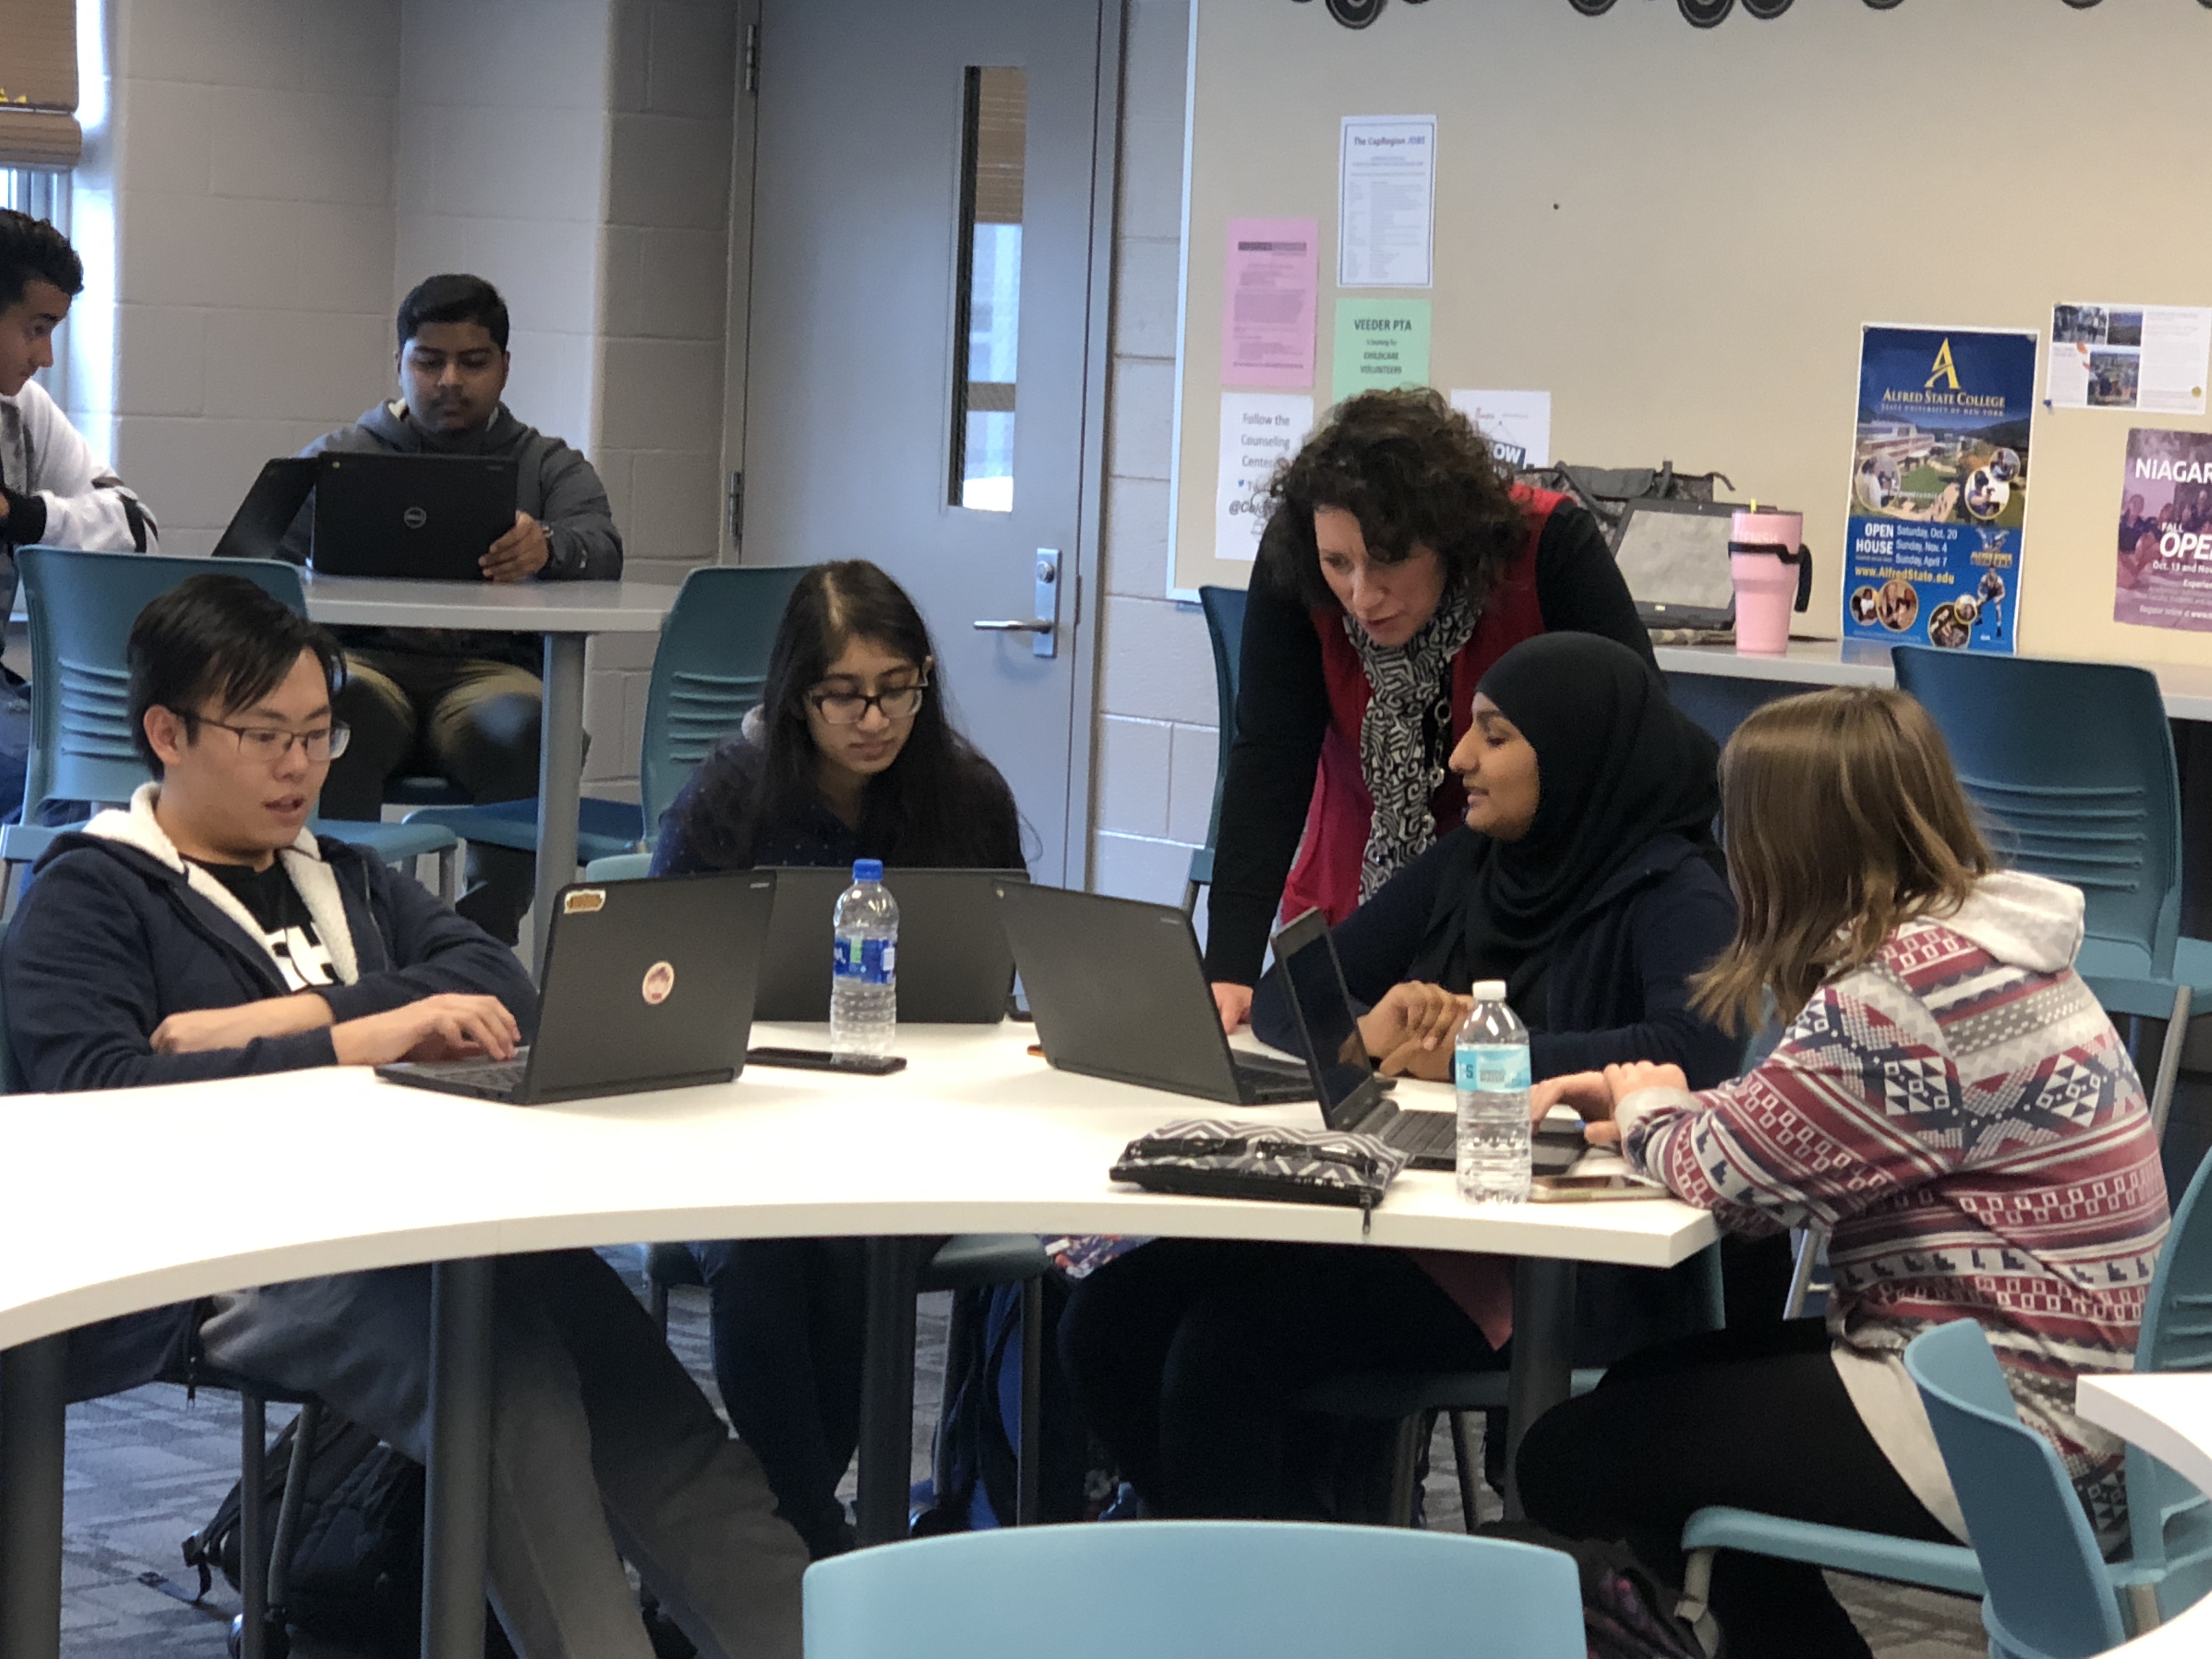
x=1045, y=602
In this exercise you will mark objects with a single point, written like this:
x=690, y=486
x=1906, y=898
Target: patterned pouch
x=1213, y=1158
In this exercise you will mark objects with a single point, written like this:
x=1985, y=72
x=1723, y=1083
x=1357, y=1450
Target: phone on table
x=821, y=1060
x=1591, y=1188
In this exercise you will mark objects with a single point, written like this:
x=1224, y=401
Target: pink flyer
x=1269, y=303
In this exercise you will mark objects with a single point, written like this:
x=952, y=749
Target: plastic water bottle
x=864, y=972
x=1490, y=1069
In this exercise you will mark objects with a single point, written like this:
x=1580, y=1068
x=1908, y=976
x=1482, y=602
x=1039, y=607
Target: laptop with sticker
x=648, y=985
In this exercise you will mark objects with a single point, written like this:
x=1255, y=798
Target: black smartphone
x=821, y=1060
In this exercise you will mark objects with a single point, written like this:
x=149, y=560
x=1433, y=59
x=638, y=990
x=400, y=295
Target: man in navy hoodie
x=463, y=704
x=206, y=933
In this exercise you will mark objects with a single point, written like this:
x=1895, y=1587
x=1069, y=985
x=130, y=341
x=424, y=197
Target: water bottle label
x=1491, y=1068
x=869, y=961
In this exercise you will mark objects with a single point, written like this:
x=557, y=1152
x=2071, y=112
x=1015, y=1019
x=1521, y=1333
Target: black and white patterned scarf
x=1410, y=698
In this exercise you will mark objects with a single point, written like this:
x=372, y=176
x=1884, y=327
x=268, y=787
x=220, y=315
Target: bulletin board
x=1678, y=233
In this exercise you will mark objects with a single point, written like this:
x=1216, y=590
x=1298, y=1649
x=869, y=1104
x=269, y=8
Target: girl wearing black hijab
x=1587, y=880
x=1585, y=877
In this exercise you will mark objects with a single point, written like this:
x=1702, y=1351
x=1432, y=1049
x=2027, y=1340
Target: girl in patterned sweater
x=1949, y=1105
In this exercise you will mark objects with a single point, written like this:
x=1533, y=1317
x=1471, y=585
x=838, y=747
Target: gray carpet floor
x=145, y=1468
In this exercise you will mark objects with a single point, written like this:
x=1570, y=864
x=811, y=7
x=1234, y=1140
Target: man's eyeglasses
x=270, y=744
x=898, y=703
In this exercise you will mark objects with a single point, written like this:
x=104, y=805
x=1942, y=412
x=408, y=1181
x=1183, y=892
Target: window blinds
x=38, y=84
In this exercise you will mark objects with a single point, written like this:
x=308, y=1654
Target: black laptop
x=1118, y=991
x=955, y=967
x=1674, y=555
x=648, y=985
x=256, y=530
x=431, y=516
x=1345, y=1078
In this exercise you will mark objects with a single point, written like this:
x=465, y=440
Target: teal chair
x=620, y=867
x=2072, y=764
x=2047, y=1595
x=1225, y=627
x=1195, y=1589
x=707, y=674
x=81, y=607
x=2168, y=1565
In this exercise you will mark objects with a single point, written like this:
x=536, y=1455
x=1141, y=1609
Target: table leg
x=1543, y=1346
x=456, y=1508
x=33, y=1425
x=894, y=1265
x=560, y=777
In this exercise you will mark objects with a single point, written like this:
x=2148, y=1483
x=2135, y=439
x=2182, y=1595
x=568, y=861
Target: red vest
x=1326, y=874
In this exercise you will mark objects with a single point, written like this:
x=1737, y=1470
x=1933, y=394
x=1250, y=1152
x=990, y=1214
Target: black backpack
x=356, y=1574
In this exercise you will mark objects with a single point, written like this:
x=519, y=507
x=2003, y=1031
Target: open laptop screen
x=1311, y=973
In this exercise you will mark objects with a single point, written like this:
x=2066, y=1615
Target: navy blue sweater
x=1617, y=986
x=108, y=942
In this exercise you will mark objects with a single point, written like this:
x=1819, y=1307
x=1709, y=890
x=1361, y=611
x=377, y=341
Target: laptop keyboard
x=1422, y=1133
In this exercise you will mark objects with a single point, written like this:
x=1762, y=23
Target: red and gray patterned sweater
x=1961, y=1120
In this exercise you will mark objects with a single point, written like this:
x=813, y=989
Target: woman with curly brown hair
x=1399, y=564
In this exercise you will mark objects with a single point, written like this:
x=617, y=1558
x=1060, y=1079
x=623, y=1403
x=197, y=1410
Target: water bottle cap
x=1489, y=990
x=872, y=870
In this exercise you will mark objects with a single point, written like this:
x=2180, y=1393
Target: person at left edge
x=463, y=704
x=206, y=933
x=56, y=492
x=52, y=490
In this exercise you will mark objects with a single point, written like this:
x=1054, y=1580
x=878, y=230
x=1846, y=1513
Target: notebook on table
x=1118, y=991
x=648, y=985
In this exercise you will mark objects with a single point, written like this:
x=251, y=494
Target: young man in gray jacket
x=463, y=705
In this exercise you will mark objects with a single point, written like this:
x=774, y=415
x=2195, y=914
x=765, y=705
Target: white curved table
x=2169, y=1415
x=99, y=1214
x=566, y=614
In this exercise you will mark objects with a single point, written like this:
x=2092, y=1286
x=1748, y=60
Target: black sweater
x=1617, y=986
x=1283, y=713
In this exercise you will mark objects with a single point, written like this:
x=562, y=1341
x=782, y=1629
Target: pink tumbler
x=1773, y=576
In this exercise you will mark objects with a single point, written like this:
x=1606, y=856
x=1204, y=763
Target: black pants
x=789, y=1326
x=1758, y=1419
x=1186, y=1354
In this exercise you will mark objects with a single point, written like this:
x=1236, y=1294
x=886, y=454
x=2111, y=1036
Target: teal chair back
x=2048, y=1595
x=1194, y=1589
x=81, y=607
x=2169, y=1520
x=1225, y=628
x=2073, y=762
x=708, y=674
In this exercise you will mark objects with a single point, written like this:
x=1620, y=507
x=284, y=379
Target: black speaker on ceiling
x=1705, y=14
x=1355, y=14
x=1599, y=7
x=1766, y=10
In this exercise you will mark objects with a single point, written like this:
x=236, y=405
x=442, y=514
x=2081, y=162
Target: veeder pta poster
x=1939, y=486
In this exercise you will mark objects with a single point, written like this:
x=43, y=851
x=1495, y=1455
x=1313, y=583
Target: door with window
x=925, y=345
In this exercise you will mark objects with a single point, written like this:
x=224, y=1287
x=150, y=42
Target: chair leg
x=291, y=1511
x=657, y=1305
x=1028, y=1452
x=1405, y=1464
x=252, y=1527
x=1463, y=1458
x=1190, y=898
x=449, y=873
x=1801, y=1274
x=2169, y=1062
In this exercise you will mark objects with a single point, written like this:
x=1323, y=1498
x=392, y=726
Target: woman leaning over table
x=1949, y=1105
x=1399, y=564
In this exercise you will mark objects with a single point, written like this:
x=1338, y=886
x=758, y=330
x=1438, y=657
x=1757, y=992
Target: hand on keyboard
x=448, y=1026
